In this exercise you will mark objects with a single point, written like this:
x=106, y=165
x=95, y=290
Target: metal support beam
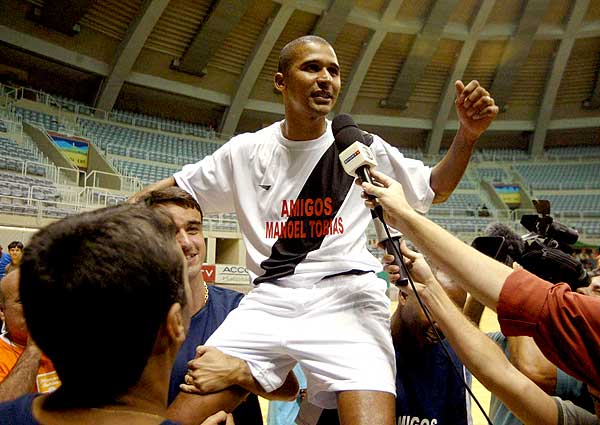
x=559, y=64
x=517, y=50
x=264, y=46
x=441, y=117
x=63, y=15
x=223, y=18
x=128, y=51
x=360, y=68
x=332, y=21
x=420, y=54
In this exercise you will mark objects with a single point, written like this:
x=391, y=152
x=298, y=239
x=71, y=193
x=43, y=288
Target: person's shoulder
x=19, y=410
x=258, y=136
x=225, y=297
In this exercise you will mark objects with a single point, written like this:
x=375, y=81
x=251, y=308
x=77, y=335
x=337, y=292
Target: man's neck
x=198, y=294
x=302, y=128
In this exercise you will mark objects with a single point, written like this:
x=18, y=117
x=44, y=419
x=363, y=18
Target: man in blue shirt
x=5, y=260
x=428, y=389
x=209, y=306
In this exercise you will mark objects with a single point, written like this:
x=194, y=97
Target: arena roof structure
x=212, y=61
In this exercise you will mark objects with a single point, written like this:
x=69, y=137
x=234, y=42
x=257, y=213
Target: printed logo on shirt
x=47, y=382
x=315, y=220
x=311, y=217
x=415, y=420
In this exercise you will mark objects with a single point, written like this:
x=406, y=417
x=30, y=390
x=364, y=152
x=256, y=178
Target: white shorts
x=338, y=330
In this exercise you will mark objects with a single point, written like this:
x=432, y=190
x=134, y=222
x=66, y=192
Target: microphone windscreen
x=345, y=131
x=514, y=244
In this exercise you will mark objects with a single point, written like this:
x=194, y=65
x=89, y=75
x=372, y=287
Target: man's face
x=189, y=237
x=12, y=311
x=415, y=328
x=593, y=289
x=312, y=83
x=15, y=254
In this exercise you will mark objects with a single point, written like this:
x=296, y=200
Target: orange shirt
x=46, y=380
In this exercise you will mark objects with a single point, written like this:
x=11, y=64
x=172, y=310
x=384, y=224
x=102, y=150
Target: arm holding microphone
x=459, y=260
x=478, y=353
x=564, y=325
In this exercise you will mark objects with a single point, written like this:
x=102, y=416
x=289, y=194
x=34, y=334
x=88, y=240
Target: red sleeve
x=565, y=325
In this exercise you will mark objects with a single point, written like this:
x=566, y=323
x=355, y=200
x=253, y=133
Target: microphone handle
x=389, y=248
x=364, y=175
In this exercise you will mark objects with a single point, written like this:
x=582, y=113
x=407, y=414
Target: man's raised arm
x=476, y=110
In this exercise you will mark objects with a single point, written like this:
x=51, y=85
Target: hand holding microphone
x=358, y=161
x=356, y=157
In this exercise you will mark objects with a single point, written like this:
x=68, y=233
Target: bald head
x=286, y=56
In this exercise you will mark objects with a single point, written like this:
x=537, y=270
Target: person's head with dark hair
x=104, y=296
x=308, y=77
x=187, y=216
x=15, y=249
x=171, y=195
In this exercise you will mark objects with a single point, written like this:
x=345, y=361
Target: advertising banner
x=74, y=148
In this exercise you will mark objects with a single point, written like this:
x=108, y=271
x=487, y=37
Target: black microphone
x=356, y=157
x=391, y=243
x=357, y=160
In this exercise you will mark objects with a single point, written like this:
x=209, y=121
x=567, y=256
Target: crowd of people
x=108, y=319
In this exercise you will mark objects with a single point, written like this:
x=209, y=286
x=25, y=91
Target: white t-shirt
x=302, y=217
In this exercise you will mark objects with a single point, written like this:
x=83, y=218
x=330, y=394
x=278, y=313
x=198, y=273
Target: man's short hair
x=96, y=288
x=287, y=53
x=15, y=244
x=171, y=195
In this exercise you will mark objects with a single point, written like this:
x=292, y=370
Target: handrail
x=82, y=110
x=126, y=183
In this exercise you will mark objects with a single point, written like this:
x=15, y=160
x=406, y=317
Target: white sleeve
x=411, y=173
x=210, y=181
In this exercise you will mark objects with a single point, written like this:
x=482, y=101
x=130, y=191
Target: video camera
x=544, y=251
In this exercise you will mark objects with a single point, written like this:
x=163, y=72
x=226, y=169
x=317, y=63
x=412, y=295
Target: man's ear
x=175, y=325
x=278, y=82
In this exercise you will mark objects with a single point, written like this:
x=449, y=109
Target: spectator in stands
x=208, y=305
x=564, y=325
x=23, y=367
x=276, y=180
x=15, y=249
x=5, y=260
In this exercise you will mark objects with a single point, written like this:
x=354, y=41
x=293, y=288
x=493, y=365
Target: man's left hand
x=475, y=108
x=212, y=371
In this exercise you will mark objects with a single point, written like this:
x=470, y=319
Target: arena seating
x=560, y=176
x=493, y=175
x=47, y=121
x=150, y=145
x=147, y=173
x=573, y=152
x=586, y=205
